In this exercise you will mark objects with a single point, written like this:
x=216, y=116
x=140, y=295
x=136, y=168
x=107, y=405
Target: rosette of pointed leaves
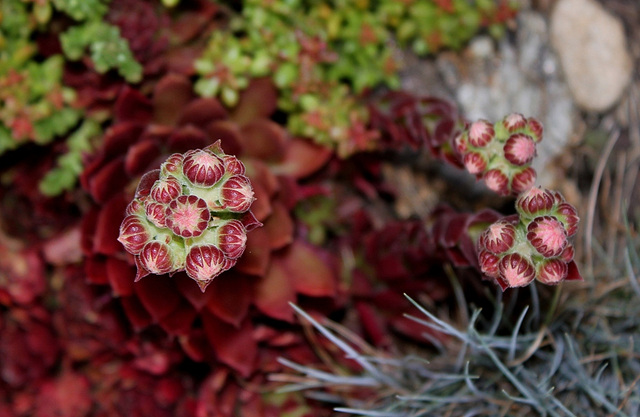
x=534, y=245
x=276, y=266
x=417, y=122
x=190, y=215
x=501, y=153
x=406, y=257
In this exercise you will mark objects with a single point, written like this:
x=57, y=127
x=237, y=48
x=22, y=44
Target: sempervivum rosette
x=190, y=215
x=535, y=244
x=501, y=153
x=177, y=132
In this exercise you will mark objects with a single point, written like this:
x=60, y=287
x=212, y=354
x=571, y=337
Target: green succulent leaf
x=108, y=49
x=82, y=9
x=69, y=166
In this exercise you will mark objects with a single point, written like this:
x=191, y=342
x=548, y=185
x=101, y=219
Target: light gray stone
x=591, y=45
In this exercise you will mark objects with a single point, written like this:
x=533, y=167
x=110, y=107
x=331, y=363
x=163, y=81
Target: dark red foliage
x=419, y=122
x=273, y=270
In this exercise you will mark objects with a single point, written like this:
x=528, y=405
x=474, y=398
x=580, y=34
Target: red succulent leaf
x=302, y=158
x=136, y=312
x=180, y=320
x=264, y=140
x=573, y=273
x=280, y=227
x=158, y=296
x=258, y=100
x=255, y=260
x=234, y=347
x=313, y=275
x=105, y=235
x=274, y=291
x=186, y=138
x=146, y=182
x=373, y=324
x=121, y=276
x=172, y=92
x=109, y=180
x=67, y=395
x=140, y=156
x=231, y=298
x=201, y=112
x=132, y=106
x=229, y=135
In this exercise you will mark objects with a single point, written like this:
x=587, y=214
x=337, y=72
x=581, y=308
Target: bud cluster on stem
x=535, y=244
x=501, y=153
x=192, y=215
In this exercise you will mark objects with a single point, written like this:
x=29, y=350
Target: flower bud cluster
x=190, y=215
x=533, y=245
x=501, y=153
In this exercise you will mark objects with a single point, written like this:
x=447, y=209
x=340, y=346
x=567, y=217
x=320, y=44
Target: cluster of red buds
x=533, y=245
x=190, y=215
x=501, y=153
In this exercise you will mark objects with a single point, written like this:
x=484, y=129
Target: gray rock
x=593, y=53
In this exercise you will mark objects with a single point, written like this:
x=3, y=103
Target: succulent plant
x=276, y=267
x=501, y=153
x=534, y=245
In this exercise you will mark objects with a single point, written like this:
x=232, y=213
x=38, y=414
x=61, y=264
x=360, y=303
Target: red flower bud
x=236, y=194
x=460, y=143
x=523, y=180
x=535, y=128
x=187, y=216
x=133, y=234
x=519, y=149
x=534, y=201
x=232, y=239
x=165, y=190
x=567, y=253
x=547, y=235
x=489, y=263
x=481, y=133
x=155, y=213
x=233, y=165
x=156, y=257
x=497, y=181
x=552, y=271
x=516, y=271
x=499, y=237
x=514, y=122
x=173, y=164
x=202, y=168
x=136, y=206
x=568, y=215
x=204, y=263
x=475, y=163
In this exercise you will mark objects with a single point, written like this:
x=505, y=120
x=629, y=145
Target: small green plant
x=323, y=55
